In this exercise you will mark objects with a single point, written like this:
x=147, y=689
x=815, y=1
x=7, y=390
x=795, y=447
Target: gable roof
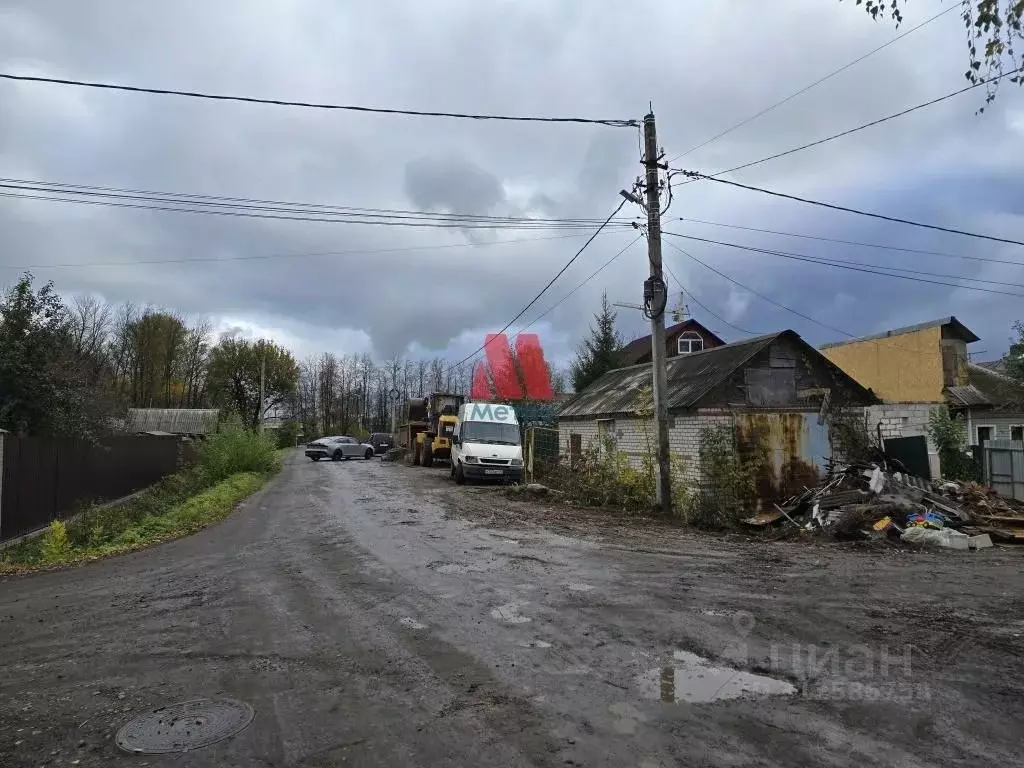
x=637, y=348
x=690, y=377
x=987, y=389
x=961, y=331
x=182, y=421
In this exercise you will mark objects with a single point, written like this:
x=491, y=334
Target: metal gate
x=540, y=451
x=1003, y=467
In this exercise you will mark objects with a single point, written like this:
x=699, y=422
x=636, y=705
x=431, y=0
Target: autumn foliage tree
x=234, y=373
x=995, y=31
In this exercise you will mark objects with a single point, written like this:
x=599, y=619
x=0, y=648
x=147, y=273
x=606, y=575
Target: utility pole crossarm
x=655, y=300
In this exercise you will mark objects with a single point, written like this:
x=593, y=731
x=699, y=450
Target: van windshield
x=489, y=432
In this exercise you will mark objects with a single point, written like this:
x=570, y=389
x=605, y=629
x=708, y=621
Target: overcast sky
x=703, y=65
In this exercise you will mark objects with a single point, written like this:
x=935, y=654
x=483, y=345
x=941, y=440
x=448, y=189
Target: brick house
x=775, y=391
x=680, y=339
x=916, y=368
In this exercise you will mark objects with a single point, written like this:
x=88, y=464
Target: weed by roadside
x=231, y=465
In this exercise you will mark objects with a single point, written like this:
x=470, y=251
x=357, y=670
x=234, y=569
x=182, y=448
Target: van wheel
x=315, y=458
x=459, y=475
x=337, y=456
x=369, y=454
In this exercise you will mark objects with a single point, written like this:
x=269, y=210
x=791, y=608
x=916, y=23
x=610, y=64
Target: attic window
x=689, y=342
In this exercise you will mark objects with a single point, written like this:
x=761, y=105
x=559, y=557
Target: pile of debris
x=870, y=500
x=393, y=454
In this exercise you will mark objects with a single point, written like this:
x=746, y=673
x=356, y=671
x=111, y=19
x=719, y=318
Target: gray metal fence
x=1002, y=464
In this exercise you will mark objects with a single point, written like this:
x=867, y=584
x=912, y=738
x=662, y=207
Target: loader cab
x=486, y=444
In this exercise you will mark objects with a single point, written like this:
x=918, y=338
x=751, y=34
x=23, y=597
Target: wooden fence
x=46, y=479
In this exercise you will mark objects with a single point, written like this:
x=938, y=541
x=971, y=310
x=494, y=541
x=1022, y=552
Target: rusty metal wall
x=789, y=449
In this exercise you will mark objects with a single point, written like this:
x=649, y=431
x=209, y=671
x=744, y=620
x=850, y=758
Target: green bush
x=949, y=434
x=55, y=546
x=235, y=449
x=605, y=477
x=728, y=489
x=288, y=433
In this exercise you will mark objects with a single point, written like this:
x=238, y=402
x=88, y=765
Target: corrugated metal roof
x=966, y=333
x=987, y=389
x=690, y=377
x=182, y=421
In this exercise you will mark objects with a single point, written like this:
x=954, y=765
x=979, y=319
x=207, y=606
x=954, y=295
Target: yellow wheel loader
x=429, y=423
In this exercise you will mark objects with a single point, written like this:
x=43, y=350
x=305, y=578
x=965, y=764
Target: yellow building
x=916, y=364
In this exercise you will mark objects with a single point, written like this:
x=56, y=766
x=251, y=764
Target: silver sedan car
x=338, y=448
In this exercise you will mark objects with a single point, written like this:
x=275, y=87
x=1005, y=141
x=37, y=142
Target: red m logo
x=510, y=373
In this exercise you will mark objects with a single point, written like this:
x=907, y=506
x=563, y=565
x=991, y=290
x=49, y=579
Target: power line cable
x=591, y=277
x=317, y=254
x=551, y=282
x=846, y=265
x=188, y=198
x=311, y=105
x=468, y=224
x=851, y=242
x=697, y=301
x=782, y=306
x=893, y=269
x=758, y=293
x=871, y=124
x=845, y=209
x=816, y=83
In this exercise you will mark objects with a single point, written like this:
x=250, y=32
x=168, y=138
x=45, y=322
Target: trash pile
x=870, y=500
x=393, y=454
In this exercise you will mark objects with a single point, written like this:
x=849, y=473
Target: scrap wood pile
x=869, y=500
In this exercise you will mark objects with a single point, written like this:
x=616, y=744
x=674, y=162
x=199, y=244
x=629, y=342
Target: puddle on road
x=695, y=680
x=535, y=644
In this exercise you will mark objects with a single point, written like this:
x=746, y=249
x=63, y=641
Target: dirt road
x=374, y=614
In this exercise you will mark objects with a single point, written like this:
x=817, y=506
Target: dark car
x=382, y=442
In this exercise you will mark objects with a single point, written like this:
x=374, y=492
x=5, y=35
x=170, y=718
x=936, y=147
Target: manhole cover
x=184, y=726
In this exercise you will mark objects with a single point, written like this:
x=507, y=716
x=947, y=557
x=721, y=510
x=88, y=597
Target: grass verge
x=57, y=546
x=232, y=466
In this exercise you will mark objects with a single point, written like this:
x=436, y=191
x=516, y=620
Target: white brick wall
x=632, y=435
x=904, y=420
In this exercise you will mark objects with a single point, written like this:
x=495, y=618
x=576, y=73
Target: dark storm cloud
x=452, y=184
x=944, y=163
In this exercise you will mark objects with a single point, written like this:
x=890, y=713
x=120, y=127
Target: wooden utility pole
x=655, y=299
x=263, y=376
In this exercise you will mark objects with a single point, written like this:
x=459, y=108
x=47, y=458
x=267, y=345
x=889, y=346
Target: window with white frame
x=689, y=342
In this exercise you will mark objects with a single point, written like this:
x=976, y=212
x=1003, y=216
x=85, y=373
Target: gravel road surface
x=376, y=615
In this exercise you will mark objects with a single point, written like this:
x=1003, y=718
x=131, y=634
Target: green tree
x=234, y=371
x=600, y=353
x=1014, y=360
x=50, y=383
x=949, y=433
x=993, y=26
x=31, y=336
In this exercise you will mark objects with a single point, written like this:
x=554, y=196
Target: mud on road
x=376, y=614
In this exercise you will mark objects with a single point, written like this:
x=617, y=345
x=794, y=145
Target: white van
x=486, y=444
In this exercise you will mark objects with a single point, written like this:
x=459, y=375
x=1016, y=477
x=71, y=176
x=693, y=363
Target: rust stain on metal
x=774, y=442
